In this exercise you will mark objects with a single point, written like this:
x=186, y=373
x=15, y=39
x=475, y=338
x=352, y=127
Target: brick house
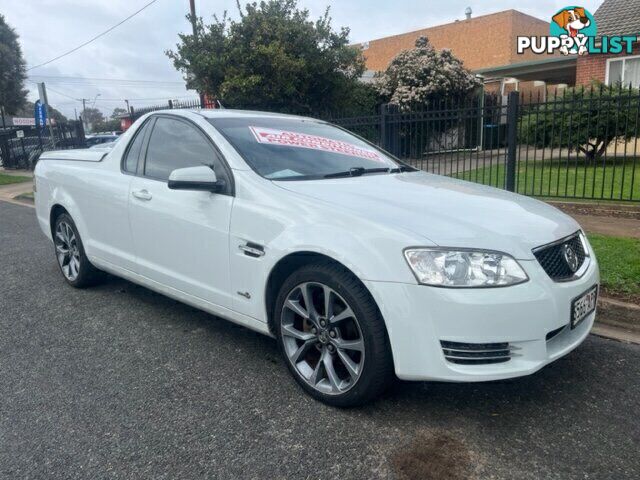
x=614, y=17
x=487, y=46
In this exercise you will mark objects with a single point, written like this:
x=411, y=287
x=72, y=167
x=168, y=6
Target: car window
x=130, y=163
x=176, y=144
x=299, y=149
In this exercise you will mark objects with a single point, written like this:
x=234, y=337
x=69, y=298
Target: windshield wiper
x=356, y=172
x=402, y=168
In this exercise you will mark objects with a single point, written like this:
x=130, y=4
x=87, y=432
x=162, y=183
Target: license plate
x=583, y=305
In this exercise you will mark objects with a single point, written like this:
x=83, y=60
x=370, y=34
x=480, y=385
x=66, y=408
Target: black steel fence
x=195, y=103
x=20, y=147
x=580, y=144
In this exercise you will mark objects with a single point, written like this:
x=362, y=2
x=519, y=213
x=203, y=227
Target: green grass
x=7, y=179
x=619, y=260
x=618, y=180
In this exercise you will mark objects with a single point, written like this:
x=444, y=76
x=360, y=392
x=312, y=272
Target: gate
x=20, y=147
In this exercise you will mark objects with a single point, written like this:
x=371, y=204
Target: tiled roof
x=618, y=17
x=480, y=42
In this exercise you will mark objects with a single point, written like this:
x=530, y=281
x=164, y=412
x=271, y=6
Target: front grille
x=476, y=353
x=554, y=258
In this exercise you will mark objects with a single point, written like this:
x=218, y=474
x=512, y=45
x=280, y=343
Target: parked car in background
x=92, y=140
x=360, y=266
x=104, y=146
x=113, y=132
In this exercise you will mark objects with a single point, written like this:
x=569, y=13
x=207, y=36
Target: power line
x=56, y=91
x=94, y=38
x=71, y=78
x=166, y=97
x=63, y=94
x=112, y=85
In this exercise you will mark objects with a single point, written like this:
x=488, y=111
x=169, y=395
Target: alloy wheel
x=67, y=251
x=322, y=338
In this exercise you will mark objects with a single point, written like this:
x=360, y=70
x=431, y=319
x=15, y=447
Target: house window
x=625, y=70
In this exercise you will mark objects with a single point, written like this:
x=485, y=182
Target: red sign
x=125, y=123
x=272, y=136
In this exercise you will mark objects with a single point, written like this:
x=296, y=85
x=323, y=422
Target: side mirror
x=195, y=178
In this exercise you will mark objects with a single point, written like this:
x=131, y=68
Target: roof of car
x=227, y=113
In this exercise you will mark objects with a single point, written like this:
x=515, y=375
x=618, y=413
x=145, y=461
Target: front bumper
x=419, y=317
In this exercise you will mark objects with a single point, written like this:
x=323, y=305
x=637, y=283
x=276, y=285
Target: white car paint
x=186, y=244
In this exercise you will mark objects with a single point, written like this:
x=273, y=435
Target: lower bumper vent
x=476, y=353
x=554, y=333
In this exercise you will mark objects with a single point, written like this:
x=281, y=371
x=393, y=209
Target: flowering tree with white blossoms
x=423, y=74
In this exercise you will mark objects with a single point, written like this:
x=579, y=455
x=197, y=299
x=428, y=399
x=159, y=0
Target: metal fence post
x=512, y=139
x=4, y=151
x=80, y=138
x=383, y=126
x=39, y=139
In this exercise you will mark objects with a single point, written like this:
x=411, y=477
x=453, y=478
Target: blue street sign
x=40, y=113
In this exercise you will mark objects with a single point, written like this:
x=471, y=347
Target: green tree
x=93, y=119
x=274, y=58
x=100, y=123
x=12, y=70
x=117, y=113
x=423, y=74
x=586, y=120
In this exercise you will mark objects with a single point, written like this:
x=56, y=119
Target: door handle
x=252, y=249
x=142, y=194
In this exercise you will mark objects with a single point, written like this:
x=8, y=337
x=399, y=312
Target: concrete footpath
x=8, y=193
x=617, y=220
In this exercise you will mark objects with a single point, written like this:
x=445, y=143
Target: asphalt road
x=119, y=382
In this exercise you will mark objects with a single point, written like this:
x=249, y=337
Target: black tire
x=377, y=370
x=87, y=274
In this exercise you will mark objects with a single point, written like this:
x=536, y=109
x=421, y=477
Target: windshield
x=297, y=149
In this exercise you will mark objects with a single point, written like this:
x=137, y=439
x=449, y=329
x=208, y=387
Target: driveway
x=119, y=382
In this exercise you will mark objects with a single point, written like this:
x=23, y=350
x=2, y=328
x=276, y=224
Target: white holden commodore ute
x=362, y=268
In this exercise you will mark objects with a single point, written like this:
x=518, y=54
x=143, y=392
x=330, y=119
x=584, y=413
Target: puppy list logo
x=573, y=31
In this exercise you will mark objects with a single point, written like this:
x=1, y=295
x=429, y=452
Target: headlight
x=464, y=268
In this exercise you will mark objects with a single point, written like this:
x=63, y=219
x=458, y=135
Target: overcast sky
x=135, y=50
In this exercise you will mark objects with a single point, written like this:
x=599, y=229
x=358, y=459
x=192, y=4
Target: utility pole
x=42, y=92
x=192, y=6
x=127, y=102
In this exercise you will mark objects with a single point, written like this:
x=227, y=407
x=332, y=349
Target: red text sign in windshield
x=272, y=136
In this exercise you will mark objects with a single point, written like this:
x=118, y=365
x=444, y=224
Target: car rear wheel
x=70, y=254
x=332, y=335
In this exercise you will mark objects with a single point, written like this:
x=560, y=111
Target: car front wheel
x=332, y=335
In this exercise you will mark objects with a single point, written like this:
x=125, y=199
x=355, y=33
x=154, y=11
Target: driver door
x=181, y=237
